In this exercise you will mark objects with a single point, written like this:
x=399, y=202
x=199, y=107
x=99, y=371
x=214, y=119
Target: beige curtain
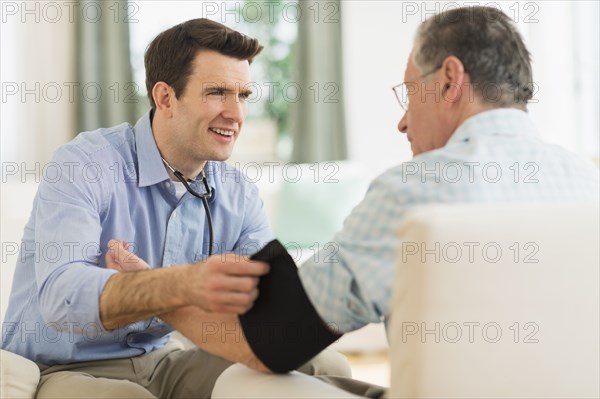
x=104, y=72
x=317, y=118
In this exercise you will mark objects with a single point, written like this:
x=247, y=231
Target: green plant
x=272, y=69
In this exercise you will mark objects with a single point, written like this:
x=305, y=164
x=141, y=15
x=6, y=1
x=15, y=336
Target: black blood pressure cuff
x=283, y=328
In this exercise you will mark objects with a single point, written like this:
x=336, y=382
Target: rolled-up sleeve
x=67, y=241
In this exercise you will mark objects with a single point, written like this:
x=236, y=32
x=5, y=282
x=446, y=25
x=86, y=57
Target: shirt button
x=174, y=215
x=168, y=184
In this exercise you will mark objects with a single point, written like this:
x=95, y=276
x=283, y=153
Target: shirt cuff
x=83, y=305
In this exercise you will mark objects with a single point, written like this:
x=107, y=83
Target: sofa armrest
x=497, y=301
x=19, y=376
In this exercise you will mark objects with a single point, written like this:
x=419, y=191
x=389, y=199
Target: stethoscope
x=203, y=197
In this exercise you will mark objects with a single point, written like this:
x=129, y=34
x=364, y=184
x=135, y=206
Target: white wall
x=376, y=46
x=562, y=37
x=565, y=47
x=36, y=71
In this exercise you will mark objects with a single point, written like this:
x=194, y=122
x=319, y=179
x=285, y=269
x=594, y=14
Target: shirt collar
x=498, y=122
x=150, y=164
x=210, y=170
x=151, y=168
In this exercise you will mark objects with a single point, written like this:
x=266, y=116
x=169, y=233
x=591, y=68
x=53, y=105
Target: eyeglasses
x=401, y=90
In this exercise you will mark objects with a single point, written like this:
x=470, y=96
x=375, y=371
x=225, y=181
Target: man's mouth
x=222, y=132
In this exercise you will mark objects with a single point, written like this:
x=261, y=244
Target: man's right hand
x=225, y=283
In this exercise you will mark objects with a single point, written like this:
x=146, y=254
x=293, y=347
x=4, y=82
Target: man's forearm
x=218, y=333
x=131, y=297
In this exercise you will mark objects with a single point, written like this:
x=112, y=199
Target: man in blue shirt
x=464, y=96
x=95, y=332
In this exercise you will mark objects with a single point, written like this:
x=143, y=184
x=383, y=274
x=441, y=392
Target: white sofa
x=454, y=331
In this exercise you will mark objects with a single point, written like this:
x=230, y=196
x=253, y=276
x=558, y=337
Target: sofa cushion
x=497, y=301
x=19, y=376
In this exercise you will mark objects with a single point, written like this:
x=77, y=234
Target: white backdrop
x=562, y=36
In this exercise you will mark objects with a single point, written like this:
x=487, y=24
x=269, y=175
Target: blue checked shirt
x=111, y=183
x=494, y=156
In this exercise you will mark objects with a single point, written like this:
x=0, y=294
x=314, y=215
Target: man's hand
x=225, y=283
x=119, y=258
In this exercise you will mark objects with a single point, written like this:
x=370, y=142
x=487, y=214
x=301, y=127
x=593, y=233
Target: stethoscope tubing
x=204, y=198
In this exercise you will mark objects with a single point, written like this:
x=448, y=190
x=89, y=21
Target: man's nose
x=403, y=124
x=235, y=109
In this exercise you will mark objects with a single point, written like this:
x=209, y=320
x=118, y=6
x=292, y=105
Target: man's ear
x=454, y=78
x=163, y=96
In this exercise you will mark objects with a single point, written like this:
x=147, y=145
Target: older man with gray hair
x=468, y=81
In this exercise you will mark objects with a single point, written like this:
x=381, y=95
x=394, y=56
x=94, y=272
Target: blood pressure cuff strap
x=283, y=328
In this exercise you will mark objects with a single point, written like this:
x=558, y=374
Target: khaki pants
x=169, y=372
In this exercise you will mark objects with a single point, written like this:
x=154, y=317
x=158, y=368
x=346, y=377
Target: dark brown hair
x=169, y=57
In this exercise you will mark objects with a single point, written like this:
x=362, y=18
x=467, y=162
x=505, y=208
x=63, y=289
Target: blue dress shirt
x=112, y=184
x=494, y=156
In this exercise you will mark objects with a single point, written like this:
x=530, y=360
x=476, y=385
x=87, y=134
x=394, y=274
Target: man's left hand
x=118, y=257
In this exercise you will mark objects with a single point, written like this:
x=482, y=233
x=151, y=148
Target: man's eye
x=216, y=93
x=245, y=96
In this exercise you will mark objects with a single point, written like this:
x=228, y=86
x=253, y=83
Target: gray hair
x=490, y=48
